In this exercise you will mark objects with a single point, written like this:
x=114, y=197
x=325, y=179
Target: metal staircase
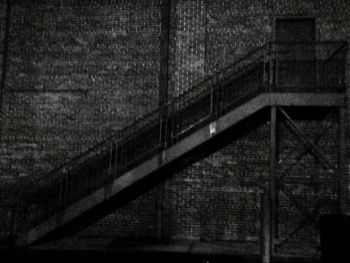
x=277, y=74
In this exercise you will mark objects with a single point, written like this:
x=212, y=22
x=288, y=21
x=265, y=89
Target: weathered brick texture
x=77, y=71
x=136, y=219
x=190, y=44
x=221, y=202
x=2, y=32
x=308, y=188
x=80, y=69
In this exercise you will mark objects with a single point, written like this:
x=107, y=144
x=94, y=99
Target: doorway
x=295, y=30
x=296, y=54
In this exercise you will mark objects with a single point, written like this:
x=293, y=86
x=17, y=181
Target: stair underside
x=177, y=150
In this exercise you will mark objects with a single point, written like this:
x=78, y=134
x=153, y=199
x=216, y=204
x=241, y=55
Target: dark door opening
x=296, y=57
x=295, y=30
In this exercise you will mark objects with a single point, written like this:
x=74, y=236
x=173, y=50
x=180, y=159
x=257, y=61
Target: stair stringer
x=174, y=152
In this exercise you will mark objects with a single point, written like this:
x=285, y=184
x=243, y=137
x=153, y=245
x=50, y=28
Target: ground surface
x=144, y=250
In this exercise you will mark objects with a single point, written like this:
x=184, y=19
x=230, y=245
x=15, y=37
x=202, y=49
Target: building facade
x=78, y=70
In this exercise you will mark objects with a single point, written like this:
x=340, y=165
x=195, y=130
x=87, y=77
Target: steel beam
x=307, y=143
x=272, y=184
x=163, y=99
x=169, y=155
x=159, y=210
x=307, y=99
x=304, y=150
x=266, y=237
x=342, y=179
x=164, y=51
x=310, y=146
x=4, y=58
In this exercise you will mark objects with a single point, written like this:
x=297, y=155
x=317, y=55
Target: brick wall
x=77, y=71
x=189, y=39
x=221, y=202
x=136, y=219
x=2, y=31
x=218, y=198
x=308, y=188
x=232, y=28
x=80, y=70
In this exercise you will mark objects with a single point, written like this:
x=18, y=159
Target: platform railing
x=302, y=67
x=274, y=67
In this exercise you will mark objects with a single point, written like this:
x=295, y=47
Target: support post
x=159, y=212
x=271, y=68
x=265, y=245
x=265, y=84
x=342, y=178
x=272, y=184
x=163, y=99
x=164, y=52
x=4, y=63
x=276, y=66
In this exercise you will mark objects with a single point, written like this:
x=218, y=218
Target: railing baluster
x=264, y=71
x=121, y=146
x=271, y=46
x=174, y=125
x=116, y=158
x=218, y=100
x=170, y=122
x=317, y=80
x=161, y=128
x=111, y=147
x=277, y=47
x=166, y=126
x=211, y=106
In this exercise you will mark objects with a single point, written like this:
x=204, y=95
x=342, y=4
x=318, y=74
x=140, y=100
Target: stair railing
x=262, y=70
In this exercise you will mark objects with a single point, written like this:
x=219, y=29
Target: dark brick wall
x=231, y=29
x=308, y=188
x=2, y=32
x=221, y=202
x=136, y=219
x=78, y=70
x=189, y=50
x=219, y=198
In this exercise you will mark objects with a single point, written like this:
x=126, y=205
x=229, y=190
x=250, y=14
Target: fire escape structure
x=276, y=78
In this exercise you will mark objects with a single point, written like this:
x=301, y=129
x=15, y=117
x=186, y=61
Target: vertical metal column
x=164, y=52
x=266, y=237
x=276, y=66
x=271, y=68
x=272, y=183
x=159, y=212
x=342, y=178
x=5, y=58
x=163, y=99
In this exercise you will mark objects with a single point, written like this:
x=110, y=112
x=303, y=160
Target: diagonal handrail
x=254, y=73
x=115, y=135
x=208, y=80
